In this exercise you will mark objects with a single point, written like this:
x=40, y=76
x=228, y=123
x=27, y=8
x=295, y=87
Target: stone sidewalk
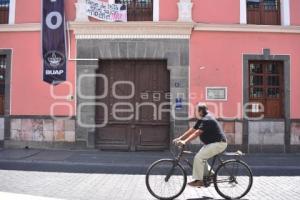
x=91, y=186
x=95, y=161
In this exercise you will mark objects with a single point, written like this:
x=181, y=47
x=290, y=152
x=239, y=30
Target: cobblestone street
x=121, y=186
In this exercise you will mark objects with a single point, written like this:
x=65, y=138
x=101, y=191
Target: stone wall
x=266, y=133
x=233, y=131
x=266, y=136
x=174, y=51
x=42, y=130
x=1, y=131
x=295, y=133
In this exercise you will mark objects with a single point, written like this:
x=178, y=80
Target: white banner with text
x=105, y=11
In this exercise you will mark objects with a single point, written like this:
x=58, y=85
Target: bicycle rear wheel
x=166, y=179
x=233, y=179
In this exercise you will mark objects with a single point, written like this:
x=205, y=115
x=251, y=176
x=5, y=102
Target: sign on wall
x=105, y=11
x=216, y=93
x=54, y=41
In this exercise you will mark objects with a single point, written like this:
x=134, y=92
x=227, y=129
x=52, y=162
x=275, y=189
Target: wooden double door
x=137, y=99
x=266, y=88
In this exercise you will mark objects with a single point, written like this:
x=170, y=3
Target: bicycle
x=166, y=178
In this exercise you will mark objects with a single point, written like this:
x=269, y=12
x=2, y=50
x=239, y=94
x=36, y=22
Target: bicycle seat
x=237, y=153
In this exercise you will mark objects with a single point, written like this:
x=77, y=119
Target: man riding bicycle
x=213, y=137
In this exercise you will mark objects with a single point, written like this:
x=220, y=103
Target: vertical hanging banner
x=54, y=42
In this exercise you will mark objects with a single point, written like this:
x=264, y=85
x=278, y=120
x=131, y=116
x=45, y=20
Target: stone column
x=185, y=11
x=81, y=15
x=243, y=12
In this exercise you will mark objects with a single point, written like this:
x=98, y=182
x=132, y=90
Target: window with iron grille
x=266, y=87
x=3, y=64
x=4, y=11
x=138, y=10
x=266, y=12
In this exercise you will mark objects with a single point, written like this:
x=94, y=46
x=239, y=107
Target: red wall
x=216, y=11
x=205, y=11
x=295, y=12
x=30, y=95
x=31, y=12
x=168, y=10
x=216, y=59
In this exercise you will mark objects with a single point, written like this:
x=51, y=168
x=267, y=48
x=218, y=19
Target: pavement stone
x=93, y=174
x=127, y=162
x=95, y=161
x=84, y=186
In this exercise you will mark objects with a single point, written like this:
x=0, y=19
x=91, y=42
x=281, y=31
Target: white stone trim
x=111, y=1
x=247, y=28
x=108, y=36
x=131, y=28
x=243, y=11
x=81, y=15
x=185, y=11
x=12, y=12
x=155, y=10
x=20, y=27
x=285, y=13
x=216, y=87
x=153, y=28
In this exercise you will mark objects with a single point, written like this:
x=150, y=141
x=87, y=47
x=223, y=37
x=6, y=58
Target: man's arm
x=192, y=136
x=186, y=134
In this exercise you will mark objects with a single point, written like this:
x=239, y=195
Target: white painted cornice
x=150, y=29
x=246, y=28
x=26, y=27
x=131, y=29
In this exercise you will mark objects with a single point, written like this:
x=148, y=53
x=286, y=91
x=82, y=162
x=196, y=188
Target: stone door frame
x=175, y=51
x=267, y=56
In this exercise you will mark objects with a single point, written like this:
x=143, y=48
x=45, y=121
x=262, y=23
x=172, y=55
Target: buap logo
x=54, y=59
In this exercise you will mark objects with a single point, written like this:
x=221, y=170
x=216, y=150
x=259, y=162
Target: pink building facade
x=241, y=57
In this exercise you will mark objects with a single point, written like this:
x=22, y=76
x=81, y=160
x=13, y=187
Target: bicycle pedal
x=187, y=152
x=207, y=184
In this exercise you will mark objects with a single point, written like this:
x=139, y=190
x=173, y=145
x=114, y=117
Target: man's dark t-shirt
x=212, y=132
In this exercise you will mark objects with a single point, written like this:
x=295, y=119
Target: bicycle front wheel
x=233, y=179
x=166, y=179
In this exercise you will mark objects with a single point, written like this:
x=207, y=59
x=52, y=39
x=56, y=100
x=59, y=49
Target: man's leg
x=206, y=169
x=205, y=153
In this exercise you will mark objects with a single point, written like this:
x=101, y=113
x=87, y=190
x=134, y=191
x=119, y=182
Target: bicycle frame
x=221, y=171
x=179, y=158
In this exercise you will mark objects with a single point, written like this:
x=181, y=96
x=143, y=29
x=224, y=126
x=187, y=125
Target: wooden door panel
x=156, y=134
x=145, y=130
x=271, y=87
x=117, y=133
x=273, y=108
x=152, y=137
x=119, y=71
x=256, y=114
x=153, y=82
x=114, y=136
x=154, y=91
